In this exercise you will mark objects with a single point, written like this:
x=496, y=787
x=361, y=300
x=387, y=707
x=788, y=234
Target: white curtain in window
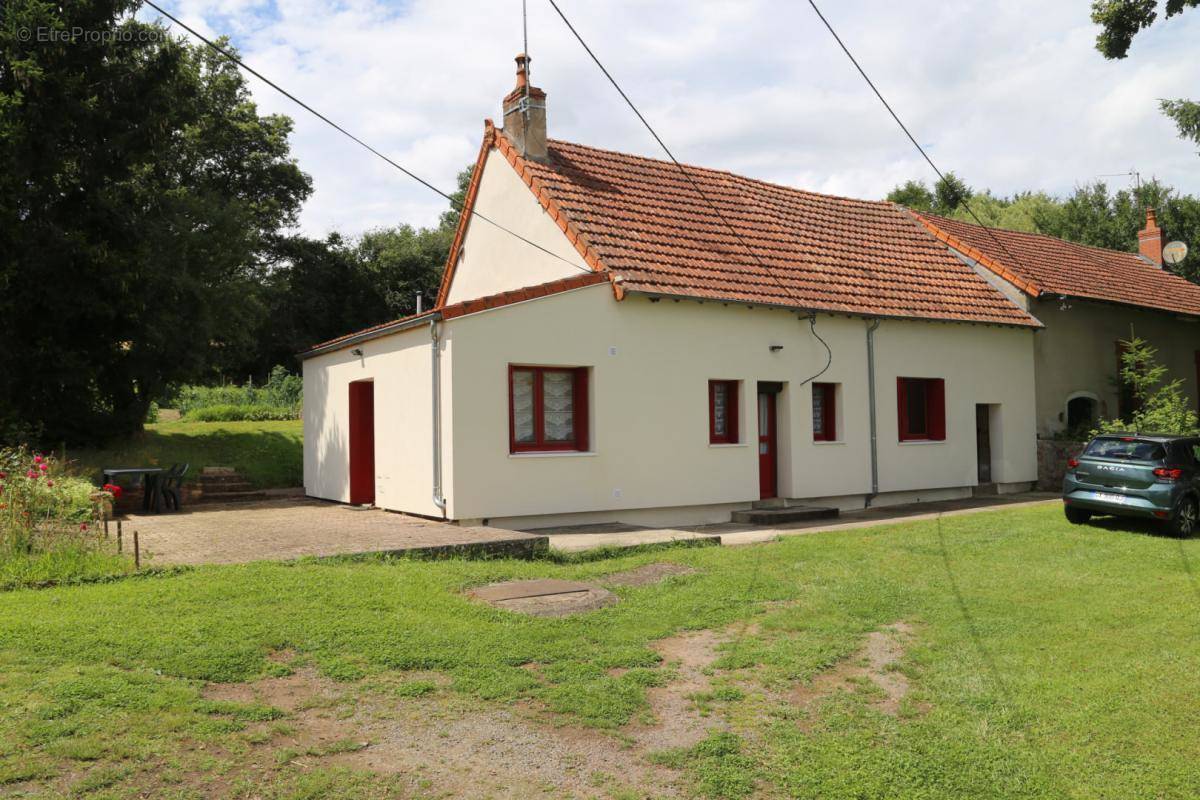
x=558, y=406
x=523, y=405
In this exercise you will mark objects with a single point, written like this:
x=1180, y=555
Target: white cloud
x=1010, y=95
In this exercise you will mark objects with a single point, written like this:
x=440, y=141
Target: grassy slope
x=1054, y=661
x=268, y=454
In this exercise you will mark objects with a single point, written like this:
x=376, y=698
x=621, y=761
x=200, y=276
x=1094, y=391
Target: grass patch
x=63, y=566
x=268, y=454
x=1051, y=661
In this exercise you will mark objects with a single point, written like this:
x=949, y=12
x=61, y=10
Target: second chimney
x=1150, y=239
x=525, y=115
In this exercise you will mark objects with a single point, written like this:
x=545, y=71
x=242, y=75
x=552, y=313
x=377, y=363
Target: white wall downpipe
x=439, y=499
x=871, y=328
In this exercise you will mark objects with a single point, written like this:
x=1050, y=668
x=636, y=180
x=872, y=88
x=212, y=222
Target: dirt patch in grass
x=560, y=605
x=676, y=720
x=875, y=663
x=648, y=574
x=438, y=742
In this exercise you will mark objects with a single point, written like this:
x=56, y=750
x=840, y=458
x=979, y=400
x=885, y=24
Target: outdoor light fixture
x=775, y=348
x=357, y=352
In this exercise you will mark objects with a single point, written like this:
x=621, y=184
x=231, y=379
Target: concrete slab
x=287, y=529
x=730, y=533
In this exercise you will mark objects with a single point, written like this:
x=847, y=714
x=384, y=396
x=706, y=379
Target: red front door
x=768, y=461
x=362, y=443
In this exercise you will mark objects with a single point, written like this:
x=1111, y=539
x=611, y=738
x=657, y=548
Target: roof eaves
x=374, y=332
x=1031, y=321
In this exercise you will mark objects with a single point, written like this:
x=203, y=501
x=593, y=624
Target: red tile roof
x=1039, y=264
x=462, y=309
x=640, y=219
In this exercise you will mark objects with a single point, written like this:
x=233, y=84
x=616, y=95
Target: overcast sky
x=1010, y=95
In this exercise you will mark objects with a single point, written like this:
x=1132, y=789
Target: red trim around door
x=362, y=443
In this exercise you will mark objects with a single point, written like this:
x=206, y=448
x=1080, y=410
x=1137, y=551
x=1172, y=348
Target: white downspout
x=871, y=328
x=439, y=499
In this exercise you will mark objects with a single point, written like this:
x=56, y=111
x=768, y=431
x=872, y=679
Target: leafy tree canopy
x=1120, y=21
x=139, y=192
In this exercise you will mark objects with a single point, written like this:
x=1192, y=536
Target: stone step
x=226, y=488
x=234, y=497
x=777, y=516
x=220, y=480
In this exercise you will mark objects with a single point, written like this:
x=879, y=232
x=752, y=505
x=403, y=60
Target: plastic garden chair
x=172, y=486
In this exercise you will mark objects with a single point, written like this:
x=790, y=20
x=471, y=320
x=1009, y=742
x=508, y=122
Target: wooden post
x=137, y=552
x=105, y=524
x=119, y=543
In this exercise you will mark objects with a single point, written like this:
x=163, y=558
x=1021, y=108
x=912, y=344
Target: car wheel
x=1078, y=516
x=1186, y=516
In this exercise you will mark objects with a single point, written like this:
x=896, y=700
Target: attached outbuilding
x=620, y=340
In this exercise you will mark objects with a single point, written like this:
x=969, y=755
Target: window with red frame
x=824, y=412
x=547, y=408
x=922, y=407
x=722, y=412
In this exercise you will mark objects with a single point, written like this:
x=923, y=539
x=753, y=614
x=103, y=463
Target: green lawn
x=1046, y=661
x=268, y=454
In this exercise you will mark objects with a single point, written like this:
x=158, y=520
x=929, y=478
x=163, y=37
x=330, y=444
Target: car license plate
x=1119, y=499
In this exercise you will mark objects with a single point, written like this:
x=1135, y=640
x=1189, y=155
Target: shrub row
x=238, y=412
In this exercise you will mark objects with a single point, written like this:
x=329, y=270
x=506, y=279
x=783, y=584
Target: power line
x=671, y=155
x=904, y=127
x=461, y=207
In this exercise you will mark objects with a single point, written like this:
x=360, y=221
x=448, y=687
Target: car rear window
x=1127, y=448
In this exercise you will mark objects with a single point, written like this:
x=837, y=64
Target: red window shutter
x=935, y=391
x=830, y=412
x=731, y=395
x=582, y=424
x=902, y=408
x=729, y=391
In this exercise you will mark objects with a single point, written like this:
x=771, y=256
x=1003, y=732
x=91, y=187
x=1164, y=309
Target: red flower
x=43, y=467
x=114, y=490
x=49, y=483
x=83, y=526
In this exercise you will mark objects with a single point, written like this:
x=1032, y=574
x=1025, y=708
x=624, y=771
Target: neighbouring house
x=1089, y=299
x=604, y=348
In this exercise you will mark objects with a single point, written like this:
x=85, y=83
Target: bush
x=230, y=412
x=1159, y=407
x=279, y=398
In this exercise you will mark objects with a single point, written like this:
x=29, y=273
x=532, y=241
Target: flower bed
x=48, y=524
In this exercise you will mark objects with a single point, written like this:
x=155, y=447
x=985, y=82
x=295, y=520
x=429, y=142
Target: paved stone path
x=287, y=529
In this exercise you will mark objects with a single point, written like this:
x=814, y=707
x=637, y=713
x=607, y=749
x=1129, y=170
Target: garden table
x=152, y=495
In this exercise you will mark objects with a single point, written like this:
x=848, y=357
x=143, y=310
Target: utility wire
x=461, y=207
x=904, y=128
x=683, y=171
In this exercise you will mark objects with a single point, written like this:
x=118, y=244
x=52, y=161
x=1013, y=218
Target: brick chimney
x=1150, y=239
x=525, y=115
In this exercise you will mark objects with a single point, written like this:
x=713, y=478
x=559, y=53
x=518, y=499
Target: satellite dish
x=1175, y=252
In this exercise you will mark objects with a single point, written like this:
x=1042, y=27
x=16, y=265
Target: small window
x=922, y=407
x=824, y=412
x=722, y=412
x=547, y=408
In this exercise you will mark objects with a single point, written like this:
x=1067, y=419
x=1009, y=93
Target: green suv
x=1133, y=475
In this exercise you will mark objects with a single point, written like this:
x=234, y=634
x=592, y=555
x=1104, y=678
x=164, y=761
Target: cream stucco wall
x=493, y=261
x=400, y=366
x=650, y=363
x=1076, y=353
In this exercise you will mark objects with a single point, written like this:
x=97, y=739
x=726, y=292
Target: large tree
x=1120, y=21
x=139, y=191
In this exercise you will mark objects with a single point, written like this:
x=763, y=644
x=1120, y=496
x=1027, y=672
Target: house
x=1089, y=299
x=617, y=340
